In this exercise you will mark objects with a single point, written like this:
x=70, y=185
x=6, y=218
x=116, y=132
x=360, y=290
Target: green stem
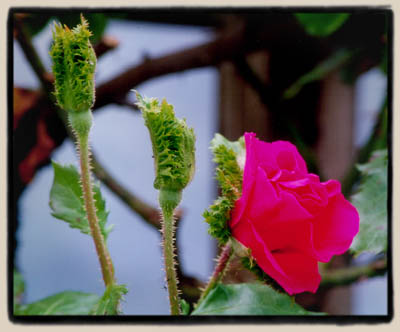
x=107, y=268
x=168, y=246
x=220, y=269
x=348, y=275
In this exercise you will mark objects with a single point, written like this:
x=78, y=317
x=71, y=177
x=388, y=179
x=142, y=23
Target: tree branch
x=209, y=54
x=33, y=58
x=150, y=214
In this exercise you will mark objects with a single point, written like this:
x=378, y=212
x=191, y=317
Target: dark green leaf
x=371, y=203
x=336, y=60
x=19, y=288
x=110, y=301
x=65, y=303
x=248, y=299
x=66, y=200
x=321, y=24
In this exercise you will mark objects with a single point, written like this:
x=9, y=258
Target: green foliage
x=65, y=303
x=336, y=60
x=173, y=144
x=74, y=63
x=217, y=217
x=109, y=302
x=321, y=24
x=371, y=203
x=66, y=200
x=238, y=147
x=248, y=299
x=227, y=155
x=185, y=307
x=18, y=289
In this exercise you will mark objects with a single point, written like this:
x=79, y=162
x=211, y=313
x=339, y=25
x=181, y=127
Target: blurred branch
x=208, y=54
x=104, y=45
x=150, y=214
x=377, y=140
x=271, y=102
x=33, y=58
x=348, y=275
x=250, y=76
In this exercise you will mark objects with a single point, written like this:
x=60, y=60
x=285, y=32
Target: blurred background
x=317, y=79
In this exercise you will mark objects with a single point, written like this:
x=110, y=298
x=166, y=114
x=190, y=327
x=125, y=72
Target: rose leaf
x=249, y=299
x=321, y=24
x=66, y=200
x=371, y=203
x=65, y=303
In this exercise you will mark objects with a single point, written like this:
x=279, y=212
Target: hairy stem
x=168, y=246
x=107, y=268
x=220, y=269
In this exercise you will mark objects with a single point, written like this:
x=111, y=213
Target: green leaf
x=110, y=301
x=65, y=303
x=185, y=307
x=66, y=200
x=321, y=25
x=19, y=288
x=371, y=203
x=325, y=67
x=248, y=299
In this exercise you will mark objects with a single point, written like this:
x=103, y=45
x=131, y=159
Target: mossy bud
x=173, y=144
x=74, y=63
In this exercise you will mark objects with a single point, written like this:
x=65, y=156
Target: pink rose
x=288, y=218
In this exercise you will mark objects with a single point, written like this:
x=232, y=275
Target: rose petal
x=249, y=175
x=294, y=271
x=273, y=156
x=332, y=187
x=302, y=272
x=292, y=234
x=289, y=209
x=335, y=228
x=287, y=156
x=246, y=234
x=263, y=198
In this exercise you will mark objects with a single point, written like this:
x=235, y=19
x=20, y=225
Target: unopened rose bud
x=173, y=148
x=74, y=63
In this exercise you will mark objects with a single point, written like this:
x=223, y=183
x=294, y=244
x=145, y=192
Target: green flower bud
x=173, y=144
x=229, y=172
x=74, y=63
